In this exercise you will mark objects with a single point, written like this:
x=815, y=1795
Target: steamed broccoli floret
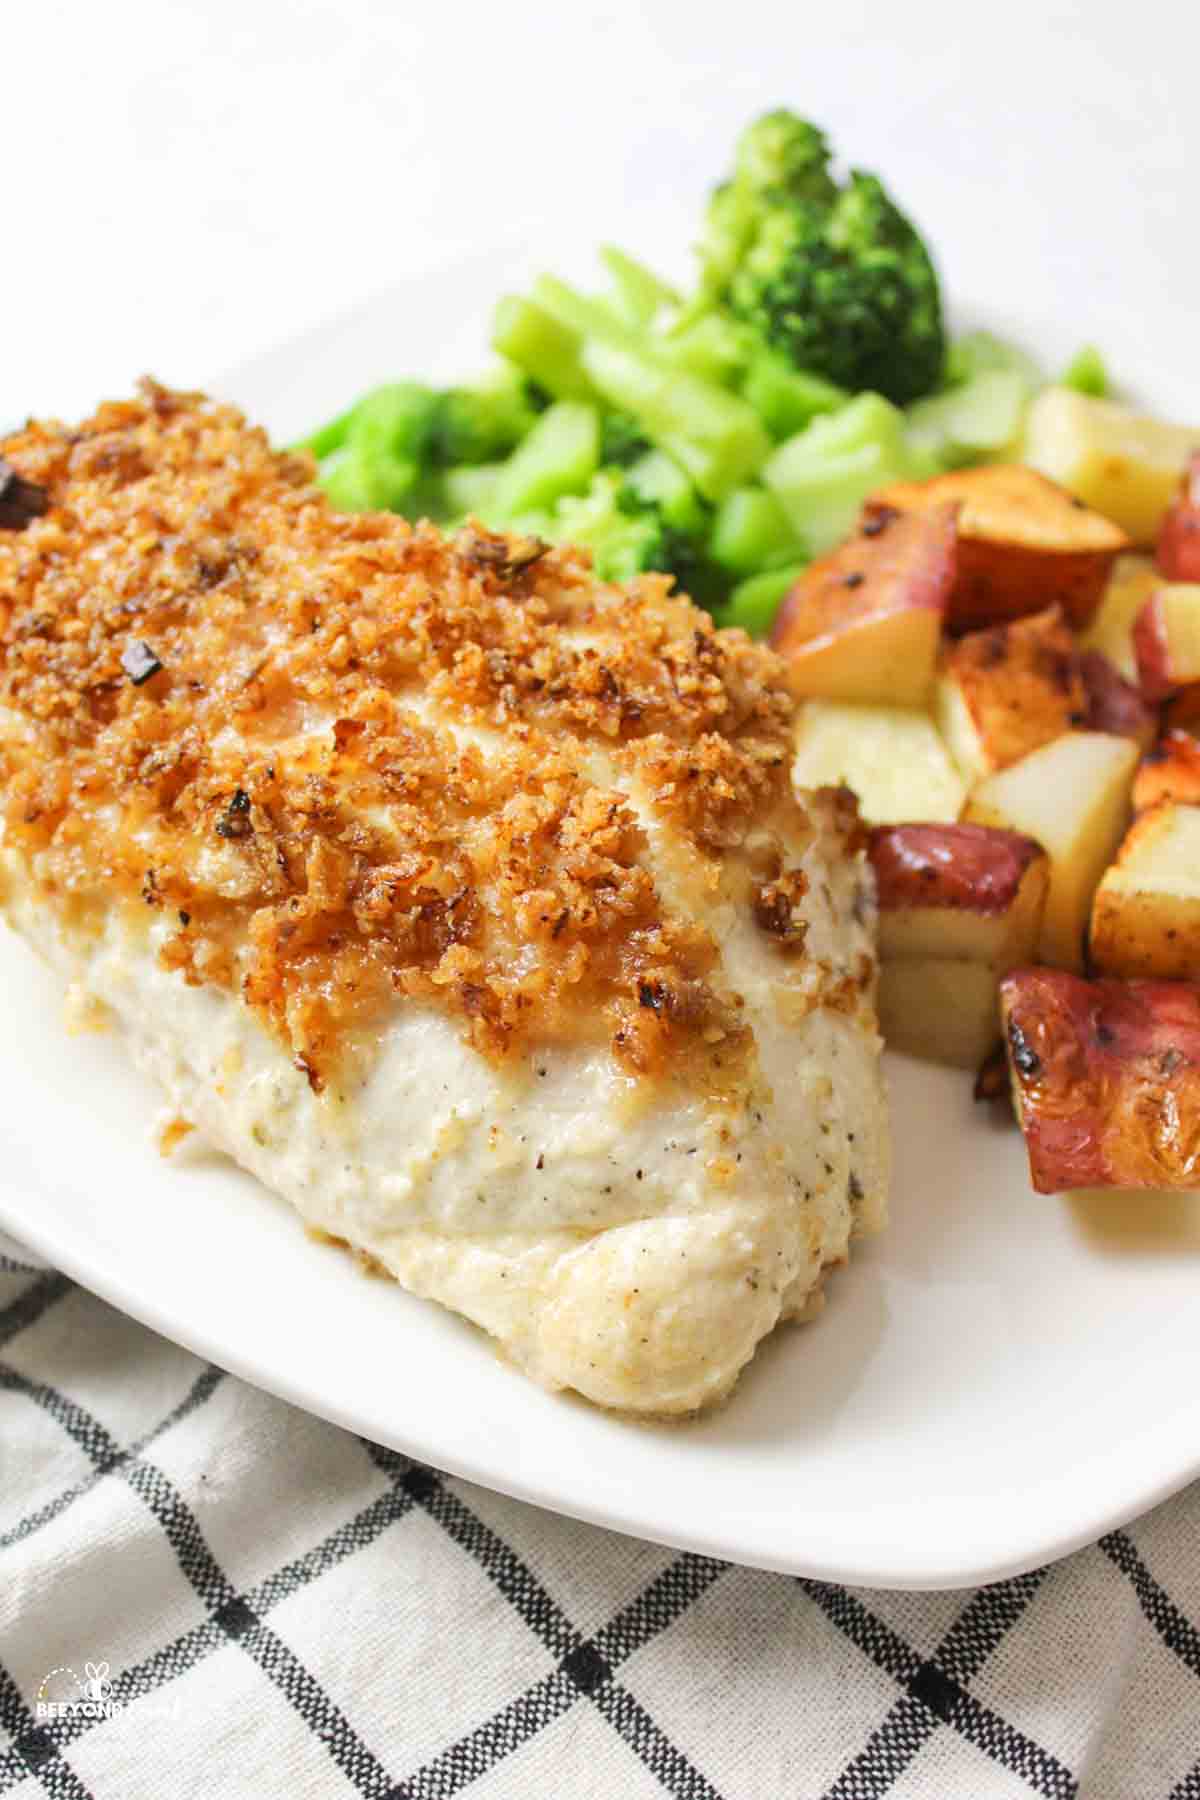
x=834, y=277
x=628, y=534
x=376, y=457
x=480, y=423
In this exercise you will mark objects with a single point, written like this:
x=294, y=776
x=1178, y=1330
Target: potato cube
x=958, y=906
x=958, y=891
x=1146, y=914
x=1073, y=797
x=891, y=756
x=1171, y=771
x=1114, y=704
x=864, y=623
x=1023, y=544
x=1133, y=580
x=941, y=1009
x=1179, y=539
x=1003, y=692
x=1106, y=1079
x=1125, y=465
x=1166, y=639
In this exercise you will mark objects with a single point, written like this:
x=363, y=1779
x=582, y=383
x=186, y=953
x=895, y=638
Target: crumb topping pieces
x=21, y=501
x=343, y=758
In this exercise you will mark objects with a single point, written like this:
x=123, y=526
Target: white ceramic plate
x=998, y=1380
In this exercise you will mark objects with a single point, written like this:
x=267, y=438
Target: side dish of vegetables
x=725, y=436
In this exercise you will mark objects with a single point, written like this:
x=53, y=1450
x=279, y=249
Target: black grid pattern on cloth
x=934, y=1692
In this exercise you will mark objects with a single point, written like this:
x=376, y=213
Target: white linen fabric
x=206, y=1592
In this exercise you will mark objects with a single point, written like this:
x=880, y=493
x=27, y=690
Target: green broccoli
x=376, y=457
x=630, y=534
x=480, y=423
x=834, y=277
x=1087, y=372
x=622, y=439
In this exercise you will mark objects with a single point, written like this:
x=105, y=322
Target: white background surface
x=184, y=183
x=185, y=186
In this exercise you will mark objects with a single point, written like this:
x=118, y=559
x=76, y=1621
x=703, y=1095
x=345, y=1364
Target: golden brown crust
x=1021, y=683
x=349, y=757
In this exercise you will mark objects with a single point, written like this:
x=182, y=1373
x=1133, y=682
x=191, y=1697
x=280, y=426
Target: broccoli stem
x=712, y=434
x=754, y=602
x=471, y=489
x=658, y=479
x=981, y=352
x=822, y=475
x=582, y=315
x=980, y=421
x=752, y=532
x=712, y=346
x=358, y=479
x=639, y=291
x=823, y=496
x=542, y=346
x=787, y=399
x=559, y=456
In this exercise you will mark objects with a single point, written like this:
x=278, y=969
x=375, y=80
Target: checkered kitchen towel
x=206, y=1593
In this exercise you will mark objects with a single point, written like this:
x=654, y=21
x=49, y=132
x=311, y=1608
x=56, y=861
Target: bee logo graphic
x=97, y=1686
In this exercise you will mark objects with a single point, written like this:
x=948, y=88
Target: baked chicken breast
x=463, y=899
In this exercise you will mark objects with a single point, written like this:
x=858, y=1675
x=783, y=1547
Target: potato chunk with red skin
x=1166, y=640
x=968, y=891
x=1179, y=539
x=1072, y=796
x=1114, y=705
x=1170, y=771
x=1182, y=711
x=958, y=905
x=1132, y=582
x=1006, y=691
x=864, y=623
x=1023, y=543
x=1106, y=1079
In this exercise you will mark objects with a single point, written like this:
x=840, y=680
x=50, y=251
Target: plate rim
x=109, y=1286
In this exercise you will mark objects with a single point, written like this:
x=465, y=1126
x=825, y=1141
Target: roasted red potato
x=1024, y=543
x=1005, y=691
x=1146, y=913
x=1132, y=582
x=891, y=756
x=864, y=622
x=939, y=1009
x=1166, y=640
x=1179, y=539
x=1072, y=797
x=1114, y=704
x=1182, y=712
x=958, y=905
x=965, y=891
x=1106, y=1079
x=1170, y=771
